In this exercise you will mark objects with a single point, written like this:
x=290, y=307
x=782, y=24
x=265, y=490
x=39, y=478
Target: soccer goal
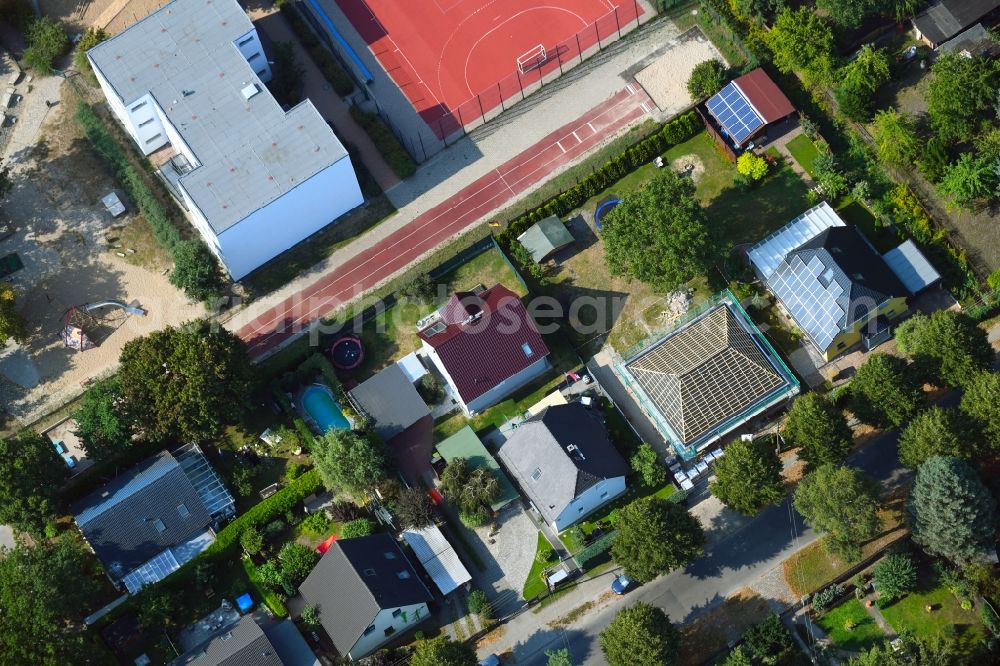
x=531, y=59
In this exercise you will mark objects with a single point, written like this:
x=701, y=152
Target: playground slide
x=117, y=304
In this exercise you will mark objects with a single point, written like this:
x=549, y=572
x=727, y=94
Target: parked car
x=622, y=584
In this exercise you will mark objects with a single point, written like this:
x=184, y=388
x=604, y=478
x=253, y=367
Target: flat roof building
x=187, y=83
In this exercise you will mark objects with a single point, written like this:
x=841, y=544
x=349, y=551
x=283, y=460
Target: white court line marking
x=576, y=137
x=560, y=146
x=417, y=229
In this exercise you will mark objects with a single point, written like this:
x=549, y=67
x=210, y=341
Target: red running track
x=457, y=59
x=430, y=229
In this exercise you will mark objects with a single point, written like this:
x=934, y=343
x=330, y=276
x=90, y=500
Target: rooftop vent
x=574, y=451
x=526, y=348
x=389, y=555
x=369, y=572
x=537, y=474
x=403, y=575
x=250, y=90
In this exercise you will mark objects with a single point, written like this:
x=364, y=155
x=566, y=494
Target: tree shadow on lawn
x=736, y=216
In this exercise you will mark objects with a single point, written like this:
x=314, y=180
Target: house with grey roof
x=187, y=84
x=565, y=463
x=943, y=20
x=367, y=594
x=390, y=400
x=250, y=643
x=709, y=375
x=147, y=522
x=832, y=282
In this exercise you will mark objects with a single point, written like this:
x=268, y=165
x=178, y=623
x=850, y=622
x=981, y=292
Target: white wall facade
x=250, y=47
x=392, y=620
x=299, y=213
x=589, y=501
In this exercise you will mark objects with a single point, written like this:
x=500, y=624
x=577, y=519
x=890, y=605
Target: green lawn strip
x=535, y=585
x=946, y=616
x=864, y=634
x=270, y=597
x=805, y=152
x=853, y=212
x=555, y=596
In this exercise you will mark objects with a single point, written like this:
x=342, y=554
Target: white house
x=187, y=83
x=485, y=345
x=565, y=463
x=367, y=593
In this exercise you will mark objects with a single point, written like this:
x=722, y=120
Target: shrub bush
x=386, y=142
x=46, y=41
x=90, y=39
x=822, y=600
x=480, y=605
x=358, y=527
x=195, y=271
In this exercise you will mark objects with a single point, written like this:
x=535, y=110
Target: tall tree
x=938, y=432
x=413, y=508
x=640, y=635
x=981, y=401
x=30, y=476
x=948, y=347
x=195, y=270
x=859, y=79
x=443, y=652
x=654, y=537
x=12, y=323
x=852, y=13
x=181, y=384
x=843, y=503
x=646, y=463
x=707, y=78
x=802, y=41
x=967, y=180
x=759, y=9
x=895, y=576
x=350, y=461
x=818, y=426
x=658, y=234
x=895, y=135
x=99, y=422
x=471, y=490
x=768, y=642
x=748, y=478
x=46, y=42
x=960, y=92
x=951, y=512
x=886, y=391
x=43, y=591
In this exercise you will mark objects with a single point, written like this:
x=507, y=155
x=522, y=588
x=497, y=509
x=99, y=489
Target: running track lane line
x=485, y=194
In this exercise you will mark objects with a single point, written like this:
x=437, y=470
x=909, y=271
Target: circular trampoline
x=347, y=353
x=603, y=209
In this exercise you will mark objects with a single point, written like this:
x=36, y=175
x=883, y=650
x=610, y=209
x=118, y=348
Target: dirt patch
x=691, y=165
x=491, y=636
x=793, y=472
x=61, y=236
x=710, y=634
x=581, y=610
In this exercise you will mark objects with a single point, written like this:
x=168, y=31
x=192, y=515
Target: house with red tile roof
x=750, y=109
x=485, y=345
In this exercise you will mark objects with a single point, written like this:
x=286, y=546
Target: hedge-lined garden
x=194, y=270
x=386, y=142
x=674, y=132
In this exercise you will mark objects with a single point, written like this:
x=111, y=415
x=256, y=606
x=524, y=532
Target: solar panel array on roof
x=735, y=114
x=770, y=252
x=813, y=304
x=152, y=571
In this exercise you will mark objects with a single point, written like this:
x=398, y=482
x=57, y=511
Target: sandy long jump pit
x=455, y=60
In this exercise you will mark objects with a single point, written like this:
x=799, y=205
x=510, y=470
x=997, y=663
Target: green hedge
x=595, y=550
x=131, y=178
x=676, y=131
x=325, y=61
x=386, y=142
x=270, y=597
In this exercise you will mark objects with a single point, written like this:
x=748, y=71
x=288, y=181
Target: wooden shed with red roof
x=485, y=345
x=747, y=110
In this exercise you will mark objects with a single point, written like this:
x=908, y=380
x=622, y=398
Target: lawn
x=883, y=238
x=947, y=617
x=805, y=152
x=632, y=310
x=812, y=568
x=863, y=633
x=535, y=585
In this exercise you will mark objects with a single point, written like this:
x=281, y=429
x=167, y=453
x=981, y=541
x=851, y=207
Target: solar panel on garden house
x=735, y=113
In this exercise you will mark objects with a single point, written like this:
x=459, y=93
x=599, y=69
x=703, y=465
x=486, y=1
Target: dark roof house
x=746, y=106
x=148, y=521
x=361, y=583
x=707, y=377
x=391, y=401
x=826, y=274
x=247, y=643
x=943, y=20
x=558, y=455
x=485, y=344
x=545, y=237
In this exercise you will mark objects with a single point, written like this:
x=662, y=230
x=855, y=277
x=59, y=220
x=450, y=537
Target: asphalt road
x=729, y=565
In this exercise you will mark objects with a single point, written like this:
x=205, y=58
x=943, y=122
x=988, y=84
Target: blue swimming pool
x=323, y=409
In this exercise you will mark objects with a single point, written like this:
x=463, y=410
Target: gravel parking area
x=508, y=558
x=665, y=79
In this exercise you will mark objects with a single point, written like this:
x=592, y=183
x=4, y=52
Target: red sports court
x=458, y=60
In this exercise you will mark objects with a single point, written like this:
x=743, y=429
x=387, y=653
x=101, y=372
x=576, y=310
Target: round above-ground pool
x=347, y=353
x=318, y=402
x=603, y=209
